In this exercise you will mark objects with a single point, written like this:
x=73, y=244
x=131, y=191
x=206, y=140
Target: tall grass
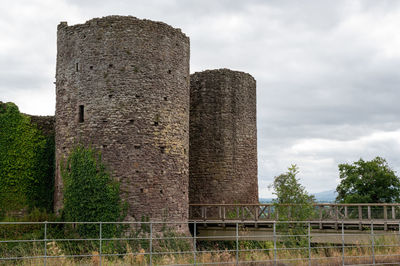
x=169, y=248
x=386, y=251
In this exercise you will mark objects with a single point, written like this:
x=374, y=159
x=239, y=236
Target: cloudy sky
x=327, y=71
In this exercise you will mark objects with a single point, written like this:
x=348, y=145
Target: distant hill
x=324, y=196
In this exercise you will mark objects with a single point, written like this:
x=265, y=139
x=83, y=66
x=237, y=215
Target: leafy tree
x=90, y=193
x=288, y=190
x=368, y=182
x=293, y=203
x=26, y=163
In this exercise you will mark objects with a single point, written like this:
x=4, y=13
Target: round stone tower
x=223, y=138
x=122, y=86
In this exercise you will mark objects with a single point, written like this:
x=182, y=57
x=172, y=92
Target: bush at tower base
x=90, y=193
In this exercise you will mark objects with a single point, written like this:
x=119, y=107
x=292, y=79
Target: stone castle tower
x=223, y=138
x=122, y=86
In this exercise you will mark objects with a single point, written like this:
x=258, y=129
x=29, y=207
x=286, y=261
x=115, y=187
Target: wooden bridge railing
x=383, y=212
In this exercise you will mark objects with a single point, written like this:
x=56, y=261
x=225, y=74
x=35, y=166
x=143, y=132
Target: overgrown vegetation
x=90, y=193
x=26, y=163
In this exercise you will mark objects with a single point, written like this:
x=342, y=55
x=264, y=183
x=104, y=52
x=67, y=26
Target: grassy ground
x=356, y=254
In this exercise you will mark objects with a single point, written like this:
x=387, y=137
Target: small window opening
x=76, y=67
x=141, y=190
x=81, y=113
x=105, y=121
x=156, y=123
x=64, y=148
x=161, y=192
x=91, y=67
x=162, y=149
x=104, y=146
x=110, y=65
x=137, y=171
x=110, y=96
x=137, y=147
x=131, y=121
x=165, y=98
x=169, y=71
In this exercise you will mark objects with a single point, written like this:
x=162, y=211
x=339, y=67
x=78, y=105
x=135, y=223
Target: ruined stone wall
x=223, y=138
x=46, y=124
x=122, y=86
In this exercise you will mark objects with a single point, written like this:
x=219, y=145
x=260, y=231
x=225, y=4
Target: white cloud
x=318, y=159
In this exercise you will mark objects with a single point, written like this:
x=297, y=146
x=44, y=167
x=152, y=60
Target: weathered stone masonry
x=223, y=138
x=44, y=123
x=122, y=86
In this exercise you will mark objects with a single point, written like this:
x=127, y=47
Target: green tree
x=368, y=182
x=293, y=203
x=26, y=162
x=289, y=191
x=90, y=193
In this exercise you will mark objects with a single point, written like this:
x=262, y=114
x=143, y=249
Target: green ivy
x=26, y=163
x=90, y=194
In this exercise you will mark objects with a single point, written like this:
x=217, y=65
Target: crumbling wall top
x=121, y=21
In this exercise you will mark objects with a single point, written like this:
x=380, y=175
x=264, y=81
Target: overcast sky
x=327, y=71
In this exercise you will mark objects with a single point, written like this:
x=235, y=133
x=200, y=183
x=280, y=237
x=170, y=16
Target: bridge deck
x=214, y=233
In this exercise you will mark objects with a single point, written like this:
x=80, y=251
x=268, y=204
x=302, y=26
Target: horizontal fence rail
x=187, y=243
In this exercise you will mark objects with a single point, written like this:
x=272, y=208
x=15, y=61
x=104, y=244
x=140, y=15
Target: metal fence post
x=45, y=243
x=237, y=243
x=373, y=242
x=342, y=242
x=309, y=243
x=275, y=243
x=100, y=239
x=151, y=243
x=194, y=243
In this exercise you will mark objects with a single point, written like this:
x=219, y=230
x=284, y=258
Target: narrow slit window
x=76, y=67
x=81, y=113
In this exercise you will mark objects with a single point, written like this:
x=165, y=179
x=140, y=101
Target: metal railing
x=170, y=243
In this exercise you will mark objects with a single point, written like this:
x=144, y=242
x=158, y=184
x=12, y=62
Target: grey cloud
x=321, y=72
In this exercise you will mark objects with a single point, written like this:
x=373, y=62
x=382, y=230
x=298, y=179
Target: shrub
x=90, y=194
